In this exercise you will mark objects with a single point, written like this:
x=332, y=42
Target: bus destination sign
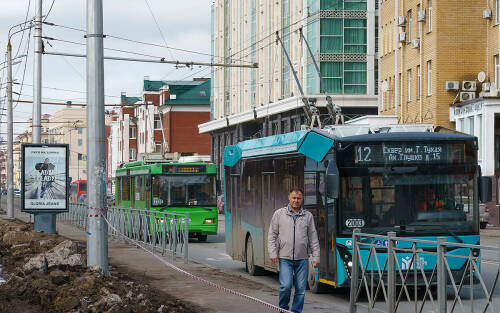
x=409, y=153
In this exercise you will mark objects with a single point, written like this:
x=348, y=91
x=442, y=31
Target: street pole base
x=45, y=222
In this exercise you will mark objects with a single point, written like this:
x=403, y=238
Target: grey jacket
x=292, y=240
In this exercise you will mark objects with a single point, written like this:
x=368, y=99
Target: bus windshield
x=407, y=201
x=183, y=190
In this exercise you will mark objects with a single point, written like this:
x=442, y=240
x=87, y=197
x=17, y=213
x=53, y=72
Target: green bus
x=171, y=186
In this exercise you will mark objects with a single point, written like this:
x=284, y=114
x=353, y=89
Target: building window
x=46, y=141
x=80, y=142
x=132, y=154
x=157, y=122
x=158, y=146
x=496, y=12
x=429, y=18
x=80, y=130
x=410, y=24
x=132, y=132
x=419, y=23
x=497, y=70
x=419, y=78
x=429, y=78
x=409, y=85
x=480, y=135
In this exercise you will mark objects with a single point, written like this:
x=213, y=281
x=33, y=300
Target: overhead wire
x=158, y=26
x=22, y=34
x=50, y=10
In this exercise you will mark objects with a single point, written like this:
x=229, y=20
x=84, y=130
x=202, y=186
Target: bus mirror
x=485, y=189
x=332, y=180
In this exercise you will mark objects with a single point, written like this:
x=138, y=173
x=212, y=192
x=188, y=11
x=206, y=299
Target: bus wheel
x=202, y=238
x=251, y=268
x=314, y=285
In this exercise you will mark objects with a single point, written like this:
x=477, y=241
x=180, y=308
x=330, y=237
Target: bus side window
x=310, y=191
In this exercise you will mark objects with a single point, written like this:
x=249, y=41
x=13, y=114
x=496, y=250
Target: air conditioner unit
x=415, y=43
x=469, y=85
x=450, y=85
x=491, y=92
x=401, y=20
x=421, y=16
x=467, y=95
x=485, y=87
x=402, y=37
x=487, y=14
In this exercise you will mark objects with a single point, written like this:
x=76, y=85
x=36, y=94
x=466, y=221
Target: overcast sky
x=185, y=24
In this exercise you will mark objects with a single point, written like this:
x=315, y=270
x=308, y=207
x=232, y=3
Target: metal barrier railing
x=390, y=272
x=165, y=233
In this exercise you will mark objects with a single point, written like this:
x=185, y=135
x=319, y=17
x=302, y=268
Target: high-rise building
x=249, y=103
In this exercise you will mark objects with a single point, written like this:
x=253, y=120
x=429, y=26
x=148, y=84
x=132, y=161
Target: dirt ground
x=47, y=273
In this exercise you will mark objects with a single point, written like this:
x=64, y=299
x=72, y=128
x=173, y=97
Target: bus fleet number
x=364, y=154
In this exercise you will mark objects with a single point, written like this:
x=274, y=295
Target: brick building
x=439, y=65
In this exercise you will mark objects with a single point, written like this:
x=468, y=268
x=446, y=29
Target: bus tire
x=202, y=238
x=250, y=266
x=312, y=284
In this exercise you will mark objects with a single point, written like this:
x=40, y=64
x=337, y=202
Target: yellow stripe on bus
x=328, y=282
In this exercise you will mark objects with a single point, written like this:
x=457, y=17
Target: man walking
x=291, y=235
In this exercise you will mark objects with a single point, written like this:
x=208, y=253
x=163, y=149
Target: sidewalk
x=141, y=265
x=491, y=232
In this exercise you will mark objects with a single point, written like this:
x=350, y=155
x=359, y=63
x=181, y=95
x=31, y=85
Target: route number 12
x=364, y=154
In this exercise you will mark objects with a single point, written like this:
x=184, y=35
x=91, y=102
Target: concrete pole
x=37, y=75
x=44, y=222
x=97, y=240
x=10, y=137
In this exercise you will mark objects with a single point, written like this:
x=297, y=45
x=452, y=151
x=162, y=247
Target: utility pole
x=97, y=237
x=45, y=222
x=37, y=75
x=10, y=137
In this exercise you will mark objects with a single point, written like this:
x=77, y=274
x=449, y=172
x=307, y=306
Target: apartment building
x=248, y=103
x=439, y=65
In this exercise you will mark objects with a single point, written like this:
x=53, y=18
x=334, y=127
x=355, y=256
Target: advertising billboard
x=44, y=178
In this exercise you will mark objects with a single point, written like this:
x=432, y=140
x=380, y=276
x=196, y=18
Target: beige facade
x=437, y=41
x=69, y=126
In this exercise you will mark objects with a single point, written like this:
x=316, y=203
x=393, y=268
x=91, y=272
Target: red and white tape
x=203, y=281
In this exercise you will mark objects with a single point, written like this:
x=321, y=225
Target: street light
x=10, y=128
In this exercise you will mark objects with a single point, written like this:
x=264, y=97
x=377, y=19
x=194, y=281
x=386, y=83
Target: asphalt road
x=213, y=253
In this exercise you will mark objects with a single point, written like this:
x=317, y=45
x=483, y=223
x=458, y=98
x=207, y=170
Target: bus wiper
x=454, y=235
x=457, y=238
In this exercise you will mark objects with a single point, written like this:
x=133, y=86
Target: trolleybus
x=172, y=187
x=372, y=181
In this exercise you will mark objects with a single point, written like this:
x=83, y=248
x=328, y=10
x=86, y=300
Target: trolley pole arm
x=333, y=109
x=307, y=106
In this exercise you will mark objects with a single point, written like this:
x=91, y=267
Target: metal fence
x=391, y=274
x=164, y=233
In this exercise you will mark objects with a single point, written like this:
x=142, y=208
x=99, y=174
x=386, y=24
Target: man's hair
x=297, y=189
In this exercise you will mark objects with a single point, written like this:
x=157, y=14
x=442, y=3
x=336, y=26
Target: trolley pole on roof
x=97, y=236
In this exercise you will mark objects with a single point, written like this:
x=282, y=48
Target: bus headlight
x=209, y=221
x=349, y=263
